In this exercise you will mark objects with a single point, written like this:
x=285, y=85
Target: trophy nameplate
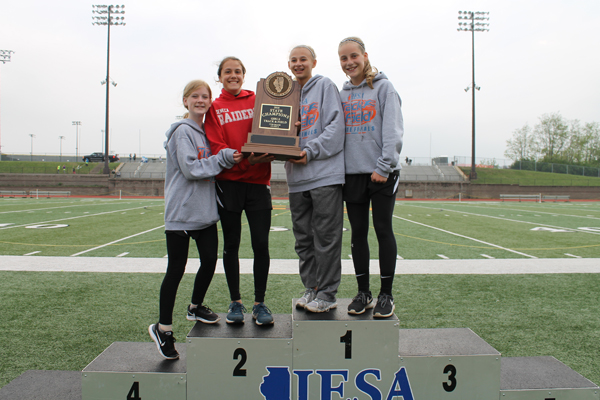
x=276, y=110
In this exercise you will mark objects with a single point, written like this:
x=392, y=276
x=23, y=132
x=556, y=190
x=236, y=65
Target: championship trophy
x=276, y=110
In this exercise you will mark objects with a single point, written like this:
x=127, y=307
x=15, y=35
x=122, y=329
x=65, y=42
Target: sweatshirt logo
x=310, y=115
x=204, y=152
x=225, y=116
x=359, y=112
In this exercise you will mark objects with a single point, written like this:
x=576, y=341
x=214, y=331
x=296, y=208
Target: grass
x=492, y=176
x=46, y=167
x=62, y=321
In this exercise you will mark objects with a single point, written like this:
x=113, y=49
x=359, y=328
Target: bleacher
x=157, y=169
x=430, y=173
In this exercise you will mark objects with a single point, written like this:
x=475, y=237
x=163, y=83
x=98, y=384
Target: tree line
x=555, y=139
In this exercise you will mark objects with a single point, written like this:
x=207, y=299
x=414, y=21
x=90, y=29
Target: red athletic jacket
x=227, y=125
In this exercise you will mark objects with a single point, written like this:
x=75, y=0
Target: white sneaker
x=309, y=295
x=320, y=305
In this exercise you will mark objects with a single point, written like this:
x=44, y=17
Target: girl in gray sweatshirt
x=315, y=184
x=374, y=131
x=190, y=211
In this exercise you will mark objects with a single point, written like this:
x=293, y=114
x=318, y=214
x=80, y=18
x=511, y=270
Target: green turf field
x=425, y=230
x=62, y=321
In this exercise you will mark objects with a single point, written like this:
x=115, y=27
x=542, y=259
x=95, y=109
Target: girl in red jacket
x=245, y=187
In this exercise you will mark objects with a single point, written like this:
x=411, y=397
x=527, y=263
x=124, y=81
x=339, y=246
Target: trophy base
x=281, y=153
x=282, y=147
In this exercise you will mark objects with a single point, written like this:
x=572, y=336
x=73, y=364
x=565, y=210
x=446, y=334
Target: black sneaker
x=385, y=306
x=361, y=302
x=262, y=314
x=202, y=313
x=165, y=342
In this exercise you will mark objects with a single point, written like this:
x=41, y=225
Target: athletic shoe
x=320, y=305
x=262, y=314
x=165, y=342
x=202, y=313
x=361, y=302
x=308, y=296
x=236, y=313
x=385, y=306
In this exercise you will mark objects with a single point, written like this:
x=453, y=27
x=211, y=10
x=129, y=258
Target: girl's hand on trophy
x=302, y=160
x=264, y=158
x=237, y=157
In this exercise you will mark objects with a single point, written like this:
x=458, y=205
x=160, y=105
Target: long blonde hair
x=369, y=71
x=191, y=87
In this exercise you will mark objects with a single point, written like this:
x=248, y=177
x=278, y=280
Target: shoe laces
x=235, y=306
x=384, y=298
x=363, y=297
x=205, y=308
x=262, y=308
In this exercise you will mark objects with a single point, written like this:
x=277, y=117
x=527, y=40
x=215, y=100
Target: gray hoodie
x=321, y=136
x=374, y=127
x=190, y=196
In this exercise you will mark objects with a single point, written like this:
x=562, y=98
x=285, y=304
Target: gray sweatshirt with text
x=190, y=196
x=374, y=127
x=321, y=136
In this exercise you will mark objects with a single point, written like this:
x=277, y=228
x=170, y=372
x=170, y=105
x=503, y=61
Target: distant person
x=315, y=184
x=129, y=156
x=73, y=170
x=374, y=133
x=64, y=169
x=134, y=156
x=190, y=212
x=57, y=169
x=245, y=187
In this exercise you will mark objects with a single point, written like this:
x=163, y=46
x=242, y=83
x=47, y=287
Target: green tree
x=551, y=136
x=522, y=145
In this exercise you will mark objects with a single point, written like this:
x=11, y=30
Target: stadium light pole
x=105, y=17
x=61, y=138
x=4, y=58
x=31, y=154
x=77, y=124
x=470, y=21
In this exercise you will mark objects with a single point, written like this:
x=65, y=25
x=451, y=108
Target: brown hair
x=191, y=87
x=369, y=71
x=230, y=58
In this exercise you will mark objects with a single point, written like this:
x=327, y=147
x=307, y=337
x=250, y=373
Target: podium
x=328, y=356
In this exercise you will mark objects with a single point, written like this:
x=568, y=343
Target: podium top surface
x=337, y=314
x=520, y=373
x=443, y=342
x=137, y=357
x=280, y=329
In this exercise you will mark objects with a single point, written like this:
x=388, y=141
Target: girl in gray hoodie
x=374, y=131
x=315, y=184
x=190, y=211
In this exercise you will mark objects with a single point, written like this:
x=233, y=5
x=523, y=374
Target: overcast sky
x=540, y=56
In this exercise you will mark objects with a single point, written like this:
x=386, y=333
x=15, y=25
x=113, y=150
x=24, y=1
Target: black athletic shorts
x=237, y=196
x=359, y=188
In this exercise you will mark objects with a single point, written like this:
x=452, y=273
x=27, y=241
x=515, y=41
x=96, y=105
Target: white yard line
x=521, y=210
x=52, y=208
x=33, y=252
x=66, y=219
x=515, y=220
x=466, y=237
x=116, y=241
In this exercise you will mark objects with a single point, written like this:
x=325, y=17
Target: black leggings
x=259, y=222
x=177, y=249
x=358, y=214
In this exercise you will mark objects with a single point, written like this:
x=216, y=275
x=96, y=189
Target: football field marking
x=515, y=220
x=116, y=241
x=53, y=208
x=537, y=211
x=466, y=237
x=66, y=219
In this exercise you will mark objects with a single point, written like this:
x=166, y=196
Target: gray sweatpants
x=317, y=217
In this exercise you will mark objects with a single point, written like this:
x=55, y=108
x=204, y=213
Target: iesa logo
x=277, y=384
